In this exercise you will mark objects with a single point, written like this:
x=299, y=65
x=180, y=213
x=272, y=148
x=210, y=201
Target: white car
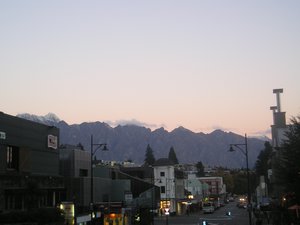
x=208, y=207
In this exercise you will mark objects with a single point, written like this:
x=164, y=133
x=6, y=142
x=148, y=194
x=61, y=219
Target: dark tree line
x=263, y=164
x=287, y=161
x=284, y=161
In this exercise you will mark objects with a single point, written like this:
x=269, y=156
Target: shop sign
x=52, y=141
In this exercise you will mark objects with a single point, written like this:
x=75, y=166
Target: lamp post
x=247, y=165
x=153, y=194
x=168, y=202
x=103, y=147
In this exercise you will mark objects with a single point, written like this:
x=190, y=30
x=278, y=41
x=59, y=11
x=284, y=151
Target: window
x=12, y=158
x=162, y=189
x=83, y=173
x=162, y=174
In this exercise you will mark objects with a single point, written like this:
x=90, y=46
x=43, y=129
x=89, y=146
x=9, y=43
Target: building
x=108, y=190
x=144, y=191
x=75, y=165
x=29, y=165
x=279, y=126
x=216, y=189
x=194, y=187
x=215, y=184
x=278, y=129
x=171, y=183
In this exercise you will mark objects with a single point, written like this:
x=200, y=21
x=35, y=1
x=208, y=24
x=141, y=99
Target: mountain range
x=129, y=142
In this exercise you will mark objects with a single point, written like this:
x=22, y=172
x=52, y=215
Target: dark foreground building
x=29, y=165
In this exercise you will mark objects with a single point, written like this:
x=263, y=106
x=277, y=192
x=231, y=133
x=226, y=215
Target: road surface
x=219, y=217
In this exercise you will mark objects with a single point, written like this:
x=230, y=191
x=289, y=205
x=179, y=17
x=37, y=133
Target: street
x=238, y=217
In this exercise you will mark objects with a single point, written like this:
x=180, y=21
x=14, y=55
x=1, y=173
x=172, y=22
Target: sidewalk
x=261, y=218
x=260, y=221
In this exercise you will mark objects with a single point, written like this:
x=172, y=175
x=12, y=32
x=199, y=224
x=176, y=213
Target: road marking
x=217, y=219
x=210, y=224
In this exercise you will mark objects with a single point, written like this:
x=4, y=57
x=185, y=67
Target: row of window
x=12, y=158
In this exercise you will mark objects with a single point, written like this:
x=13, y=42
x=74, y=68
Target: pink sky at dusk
x=203, y=65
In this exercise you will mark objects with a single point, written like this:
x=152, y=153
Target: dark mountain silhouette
x=130, y=142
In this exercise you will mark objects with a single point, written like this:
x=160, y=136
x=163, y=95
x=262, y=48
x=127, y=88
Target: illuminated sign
x=52, y=141
x=167, y=211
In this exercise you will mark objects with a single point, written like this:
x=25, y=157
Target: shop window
x=12, y=158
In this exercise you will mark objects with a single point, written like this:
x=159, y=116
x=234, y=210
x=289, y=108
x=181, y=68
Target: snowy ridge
x=48, y=119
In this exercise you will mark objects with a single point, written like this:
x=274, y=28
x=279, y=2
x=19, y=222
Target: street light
x=248, y=178
x=168, y=202
x=103, y=147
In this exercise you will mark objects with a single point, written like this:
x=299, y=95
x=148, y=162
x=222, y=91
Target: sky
x=203, y=65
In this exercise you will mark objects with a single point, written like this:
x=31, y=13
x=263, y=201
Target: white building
x=171, y=183
x=194, y=187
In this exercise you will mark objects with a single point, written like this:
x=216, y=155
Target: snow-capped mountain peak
x=48, y=119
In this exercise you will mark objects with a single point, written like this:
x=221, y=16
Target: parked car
x=208, y=207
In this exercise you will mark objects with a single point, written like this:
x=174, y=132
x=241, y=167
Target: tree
x=262, y=164
x=200, y=169
x=287, y=166
x=172, y=156
x=228, y=178
x=240, y=182
x=229, y=182
x=149, y=157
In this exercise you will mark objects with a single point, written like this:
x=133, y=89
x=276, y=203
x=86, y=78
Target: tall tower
x=279, y=122
x=278, y=128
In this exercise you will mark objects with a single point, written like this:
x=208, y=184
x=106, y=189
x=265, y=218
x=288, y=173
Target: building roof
x=164, y=162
